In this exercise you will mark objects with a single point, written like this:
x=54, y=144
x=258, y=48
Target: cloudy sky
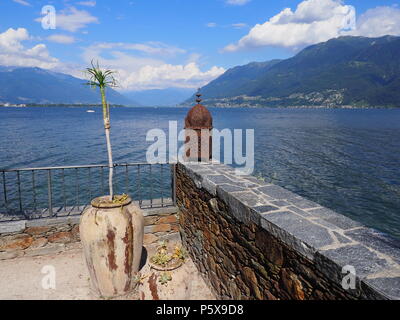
x=178, y=43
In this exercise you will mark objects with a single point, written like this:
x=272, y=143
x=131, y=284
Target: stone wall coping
x=329, y=239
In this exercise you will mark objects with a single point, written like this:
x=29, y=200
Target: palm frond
x=100, y=78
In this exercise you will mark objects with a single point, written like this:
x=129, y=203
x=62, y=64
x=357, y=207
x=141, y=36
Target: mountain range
x=344, y=71
x=21, y=85
x=356, y=71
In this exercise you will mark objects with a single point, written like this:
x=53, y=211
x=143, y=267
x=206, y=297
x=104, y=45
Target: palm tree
x=98, y=78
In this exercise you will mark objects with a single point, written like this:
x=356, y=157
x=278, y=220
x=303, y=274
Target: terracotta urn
x=138, y=232
x=112, y=240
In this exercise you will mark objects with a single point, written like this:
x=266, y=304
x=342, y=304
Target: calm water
x=347, y=160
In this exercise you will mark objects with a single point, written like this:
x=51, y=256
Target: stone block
x=303, y=203
x=265, y=208
x=299, y=211
x=304, y=230
x=61, y=237
x=49, y=249
x=219, y=179
x=11, y=254
x=231, y=188
x=157, y=228
x=292, y=285
x=280, y=203
x=73, y=246
x=388, y=286
x=332, y=217
x=362, y=259
x=167, y=220
x=278, y=193
x=38, y=243
x=160, y=211
x=150, y=220
x=15, y=242
x=149, y=238
x=12, y=226
x=37, y=230
x=377, y=241
x=75, y=233
x=53, y=221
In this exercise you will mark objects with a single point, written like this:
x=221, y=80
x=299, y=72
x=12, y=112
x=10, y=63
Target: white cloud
x=149, y=48
x=87, y=3
x=378, y=22
x=313, y=21
x=72, y=19
x=168, y=75
x=13, y=52
x=211, y=25
x=237, y=2
x=239, y=25
x=143, y=66
x=61, y=38
x=23, y=2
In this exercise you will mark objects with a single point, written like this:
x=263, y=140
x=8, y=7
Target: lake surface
x=347, y=160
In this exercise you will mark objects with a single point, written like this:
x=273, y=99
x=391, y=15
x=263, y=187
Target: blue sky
x=179, y=43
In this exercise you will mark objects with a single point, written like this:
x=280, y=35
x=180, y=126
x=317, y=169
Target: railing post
x=77, y=188
x=19, y=191
x=161, y=184
x=126, y=179
x=63, y=190
x=50, y=194
x=151, y=187
x=5, y=191
x=34, y=191
x=138, y=181
x=174, y=184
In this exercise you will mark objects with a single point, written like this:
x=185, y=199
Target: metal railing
x=33, y=193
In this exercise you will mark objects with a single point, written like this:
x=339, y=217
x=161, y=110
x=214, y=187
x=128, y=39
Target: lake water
x=347, y=160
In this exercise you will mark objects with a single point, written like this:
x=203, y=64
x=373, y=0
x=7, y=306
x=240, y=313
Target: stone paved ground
x=21, y=279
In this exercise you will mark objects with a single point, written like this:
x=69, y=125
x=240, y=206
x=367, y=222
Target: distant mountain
x=355, y=71
x=234, y=80
x=160, y=97
x=35, y=85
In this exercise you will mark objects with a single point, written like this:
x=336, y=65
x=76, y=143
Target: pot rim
x=166, y=268
x=103, y=203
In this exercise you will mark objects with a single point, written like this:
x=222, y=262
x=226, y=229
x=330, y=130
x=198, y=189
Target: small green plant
x=165, y=278
x=167, y=257
x=138, y=279
x=163, y=244
x=161, y=258
x=120, y=199
x=179, y=253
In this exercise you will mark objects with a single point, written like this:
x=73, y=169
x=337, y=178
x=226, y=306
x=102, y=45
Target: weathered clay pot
x=138, y=232
x=111, y=246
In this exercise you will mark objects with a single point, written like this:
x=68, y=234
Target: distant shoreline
x=61, y=105
x=189, y=106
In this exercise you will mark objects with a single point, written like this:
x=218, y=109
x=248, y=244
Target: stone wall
x=38, y=237
x=54, y=235
x=252, y=240
x=160, y=224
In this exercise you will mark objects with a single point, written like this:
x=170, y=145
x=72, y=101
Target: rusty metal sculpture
x=198, y=138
